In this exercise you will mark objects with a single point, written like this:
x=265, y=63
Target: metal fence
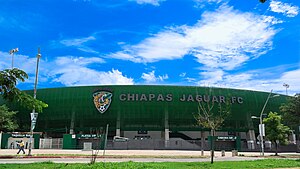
x=51, y=143
x=159, y=144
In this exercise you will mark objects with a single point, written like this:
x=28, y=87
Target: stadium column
x=81, y=126
x=252, y=135
x=118, y=127
x=72, y=123
x=46, y=126
x=167, y=131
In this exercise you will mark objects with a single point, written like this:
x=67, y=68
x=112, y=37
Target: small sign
x=34, y=116
x=262, y=129
x=226, y=138
x=142, y=132
x=33, y=119
x=20, y=135
x=88, y=136
x=33, y=125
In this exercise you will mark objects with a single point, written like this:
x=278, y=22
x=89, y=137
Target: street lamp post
x=286, y=87
x=261, y=125
x=12, y=52
x=34, y=114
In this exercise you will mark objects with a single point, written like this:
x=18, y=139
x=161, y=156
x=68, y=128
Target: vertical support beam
x=118, y=125
x=72, y=123
x=167, y=131
x=81, y=126
x=0, y=138
x=105, y=141
x=46, y=126
x=251, y=134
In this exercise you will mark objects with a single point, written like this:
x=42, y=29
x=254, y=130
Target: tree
x=7, y=122
x=208, y=116
x=291, y=111
x=9, y=91
x=276, y=132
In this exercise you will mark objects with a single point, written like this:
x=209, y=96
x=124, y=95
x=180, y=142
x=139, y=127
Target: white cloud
x=67, y=70
x=272, y=20
x=182, y=74
x=213, y=76
x=66, y=60
x=166, y=45
x=209, y=1
x=79, y=43
x=187, y=79
x=203, y=3
x=74, y=71
x=151, y=78
x=255, y=80
x=20, y=61
x=78, y=76
x=190, y=80
x=291, y=78
x=228, y=38
x=285, y=8
x=224, y=39
x=152, y=2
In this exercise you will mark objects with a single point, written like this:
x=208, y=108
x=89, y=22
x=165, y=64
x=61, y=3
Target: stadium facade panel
x=146, y=111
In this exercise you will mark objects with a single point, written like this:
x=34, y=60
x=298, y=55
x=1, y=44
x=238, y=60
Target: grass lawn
x=267, y=163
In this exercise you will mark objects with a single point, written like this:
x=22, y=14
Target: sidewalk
x=132, y=153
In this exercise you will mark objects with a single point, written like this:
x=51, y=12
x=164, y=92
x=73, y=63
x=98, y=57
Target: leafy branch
x=9, y=91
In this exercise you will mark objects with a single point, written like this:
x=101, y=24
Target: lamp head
x=14, y=51
x=286, y=85
x=254, y=117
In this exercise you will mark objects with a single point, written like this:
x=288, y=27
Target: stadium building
x=146, y=116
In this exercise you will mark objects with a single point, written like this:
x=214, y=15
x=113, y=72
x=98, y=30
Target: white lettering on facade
x=240, y=100
x=122, y=97
x=169, y=97
x=183, y=98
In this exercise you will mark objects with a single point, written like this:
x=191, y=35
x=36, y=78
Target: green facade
x=142, y=107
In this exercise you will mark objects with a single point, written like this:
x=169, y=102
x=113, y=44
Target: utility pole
x=34, y=115
x=286, y=87
x=12, y=52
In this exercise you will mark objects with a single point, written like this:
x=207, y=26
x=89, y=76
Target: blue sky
x=217, y=43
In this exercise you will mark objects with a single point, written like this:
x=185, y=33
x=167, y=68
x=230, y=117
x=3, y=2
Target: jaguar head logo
x=102, y=100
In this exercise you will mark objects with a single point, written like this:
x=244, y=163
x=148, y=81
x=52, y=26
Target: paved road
x=87, y=160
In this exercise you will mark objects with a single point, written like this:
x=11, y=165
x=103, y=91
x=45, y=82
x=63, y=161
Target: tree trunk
x=202, y=143
x=276, y=150
x=212, y=154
